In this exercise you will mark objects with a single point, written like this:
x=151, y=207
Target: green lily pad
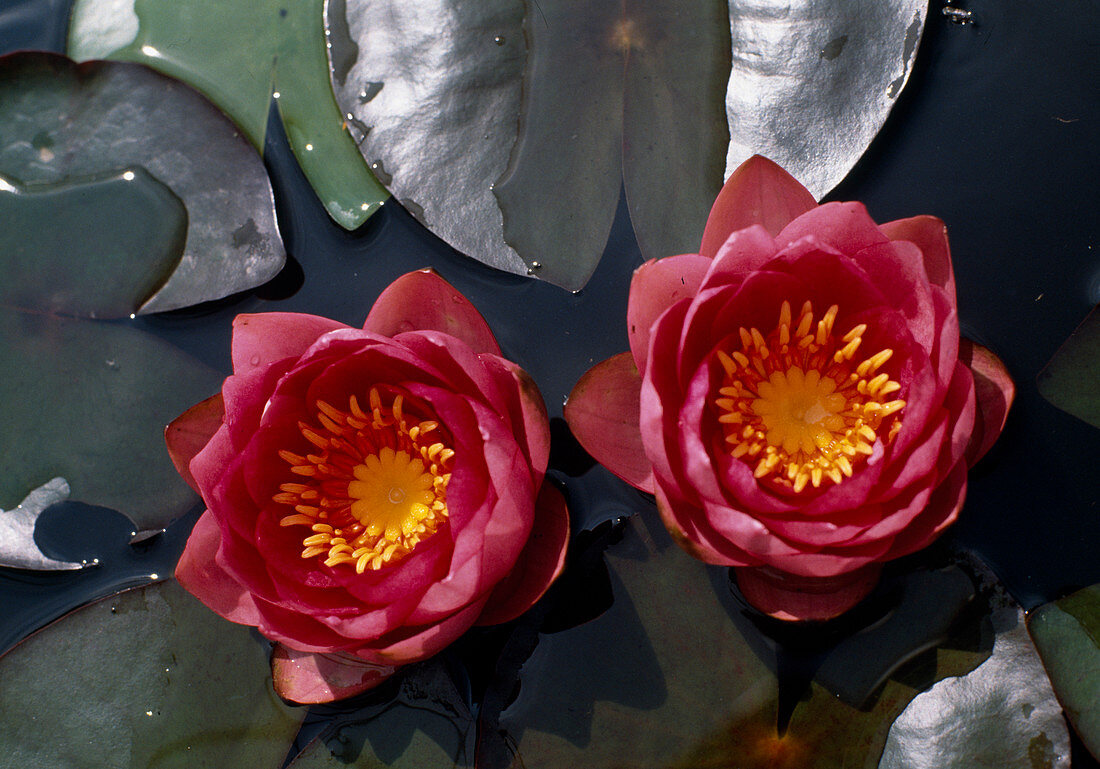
x=509, y=129
x=147, y=678
x=64, y=124
x=1067, y=634
x=88, y=401
x=426, y=726
x=1071, y=381
x=240, y=53
x=121, y=235
x=673, y=675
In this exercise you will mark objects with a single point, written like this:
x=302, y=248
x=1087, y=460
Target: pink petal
x=602, y=411
x=191, y=431
x=422, y=300
x=656, y=286
x=538, y=565
x=527, y=411
x=758, y=192
x=847, y=227
x=995, y=392
x=309, y=678
x=202, y=577
x=263, y=338
x=799, y=599
x=412, y=644
x=930, y=235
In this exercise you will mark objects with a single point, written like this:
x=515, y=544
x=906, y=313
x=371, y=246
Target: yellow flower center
x=376, y=487
x=796, y=405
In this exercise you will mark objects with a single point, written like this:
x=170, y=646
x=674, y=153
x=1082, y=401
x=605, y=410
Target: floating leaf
x=61, y=123
x=426, y=726
x=1003, y=713
x=1067, y=634
x=510, y=135
x=240, y=53
x=147, y=678
x=130, y=233
x=1071, y=381
x=17, y=545
x=88, y=400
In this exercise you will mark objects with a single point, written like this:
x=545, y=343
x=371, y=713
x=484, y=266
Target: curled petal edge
x=994, y=391
x=603, y=410
x=805, y=599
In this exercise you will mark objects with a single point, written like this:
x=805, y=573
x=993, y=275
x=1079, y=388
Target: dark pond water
x=995, y=133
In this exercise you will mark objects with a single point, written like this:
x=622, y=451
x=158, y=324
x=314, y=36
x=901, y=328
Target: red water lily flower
x=372, y=493
x=796, y=395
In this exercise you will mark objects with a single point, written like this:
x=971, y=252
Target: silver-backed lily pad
x=60, y=121
x=1003, y=713
x=17, y=545
x=509, y=130
x=147, y=678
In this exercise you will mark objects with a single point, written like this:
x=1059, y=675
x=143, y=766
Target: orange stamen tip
x=378, y=483
x=792, y=400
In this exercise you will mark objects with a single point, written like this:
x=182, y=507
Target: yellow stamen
x=796, y=406
x=379, y=482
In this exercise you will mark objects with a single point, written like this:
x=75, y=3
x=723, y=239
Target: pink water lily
x=372, y=493
x=795, y=394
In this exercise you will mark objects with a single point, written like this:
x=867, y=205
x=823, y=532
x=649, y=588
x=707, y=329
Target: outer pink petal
x=995, y=392
x=656, y=286
x=308, y=678
x=422, y=300
x=191, y=431
x=846, y=227
x=263, y=338
x=602, y=411
x=538, y=565
x=930, y=236
x=527, y=411
x=757, y=192
x=202, y=577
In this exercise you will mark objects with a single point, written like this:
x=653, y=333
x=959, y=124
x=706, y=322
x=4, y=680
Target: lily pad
x=240, y=53
x=509, y=130
x=17, y=545
x=122, y=234
x=428, y=725
x=1067, y=634
x=1071, y=381
x=62, y=123
x=146, y=678
x=88, y=401
x=1003, y=713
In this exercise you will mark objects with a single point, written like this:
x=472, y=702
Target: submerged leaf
x=1067, y=635
x=62, y=123
x=509, y=131
x=1071, y=381
x=147, y=678
x=17, y=545
x=240, y=53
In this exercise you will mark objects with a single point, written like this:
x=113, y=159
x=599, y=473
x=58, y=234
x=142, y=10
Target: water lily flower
x=796, y=394
x=372, y=493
